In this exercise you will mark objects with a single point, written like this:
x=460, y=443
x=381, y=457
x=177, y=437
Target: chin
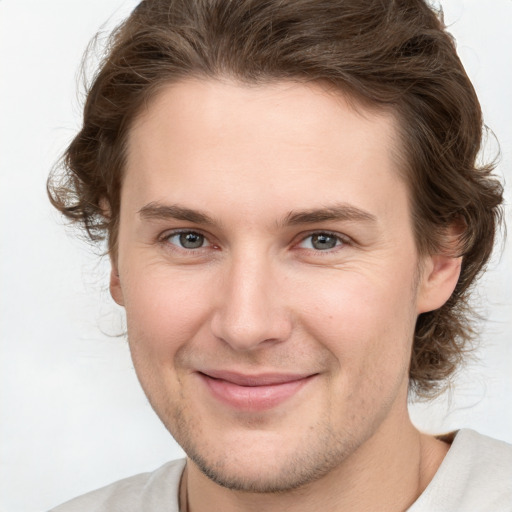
x=265, y=462
x=264, y=476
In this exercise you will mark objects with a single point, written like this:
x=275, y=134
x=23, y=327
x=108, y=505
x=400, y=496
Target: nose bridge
x=251, y=310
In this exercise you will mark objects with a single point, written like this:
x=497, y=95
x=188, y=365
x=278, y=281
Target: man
x=294, y=216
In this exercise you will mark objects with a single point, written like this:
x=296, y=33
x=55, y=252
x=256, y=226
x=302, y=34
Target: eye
x=187, y=240
x=321, y=241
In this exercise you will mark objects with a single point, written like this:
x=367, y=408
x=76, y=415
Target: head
x=388, y=62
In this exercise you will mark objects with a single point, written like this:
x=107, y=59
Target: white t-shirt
x=475, y=476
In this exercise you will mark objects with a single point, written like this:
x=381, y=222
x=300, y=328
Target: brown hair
x=391, y=54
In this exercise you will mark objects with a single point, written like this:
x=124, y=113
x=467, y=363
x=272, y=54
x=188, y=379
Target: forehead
x=288, y=141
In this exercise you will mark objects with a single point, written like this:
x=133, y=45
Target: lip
x=253, y=392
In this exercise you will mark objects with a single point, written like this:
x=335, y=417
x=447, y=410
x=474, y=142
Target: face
x=270, y=278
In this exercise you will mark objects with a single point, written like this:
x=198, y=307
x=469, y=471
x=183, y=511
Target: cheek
x=164, y=313
x=365, y=323
x=164, y=310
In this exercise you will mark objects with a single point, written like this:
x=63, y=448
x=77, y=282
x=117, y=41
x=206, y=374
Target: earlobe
x=439, y=276
x=105, y=207
x=115, y=286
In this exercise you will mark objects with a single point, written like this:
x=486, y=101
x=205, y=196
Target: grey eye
x=188, y=240
x=191, y=240
x=321, y=242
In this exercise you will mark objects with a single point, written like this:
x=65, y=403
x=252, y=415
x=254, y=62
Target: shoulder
x=147, y=491
x=475, y=475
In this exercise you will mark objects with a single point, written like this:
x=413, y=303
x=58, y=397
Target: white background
x=72, y=415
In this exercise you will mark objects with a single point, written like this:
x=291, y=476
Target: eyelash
x=341, y=240
x=165, y=239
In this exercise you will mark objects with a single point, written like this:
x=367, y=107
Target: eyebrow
x=338, y=212
x=158, y=211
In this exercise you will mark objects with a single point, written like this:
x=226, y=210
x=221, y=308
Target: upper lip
x=261, y=379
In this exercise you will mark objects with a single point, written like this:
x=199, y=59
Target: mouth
x=253, y=392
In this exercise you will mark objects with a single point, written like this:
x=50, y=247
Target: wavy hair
x=392, y=54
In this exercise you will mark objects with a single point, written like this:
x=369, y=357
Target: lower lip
x=253, y=398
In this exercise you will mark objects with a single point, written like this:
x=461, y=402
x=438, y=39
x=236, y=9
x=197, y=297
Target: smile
x=253, y=392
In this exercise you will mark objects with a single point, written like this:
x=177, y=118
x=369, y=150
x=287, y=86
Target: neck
x=387, y=473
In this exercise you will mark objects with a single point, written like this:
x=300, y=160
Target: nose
x=251, y=307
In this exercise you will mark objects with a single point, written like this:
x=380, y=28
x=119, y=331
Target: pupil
x=323, y=241
x=191, y=240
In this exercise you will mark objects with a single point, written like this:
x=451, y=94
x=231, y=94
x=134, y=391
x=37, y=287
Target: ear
x=116, y=290
x=439, y=276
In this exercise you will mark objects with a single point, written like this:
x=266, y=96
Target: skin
x=259, y=295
